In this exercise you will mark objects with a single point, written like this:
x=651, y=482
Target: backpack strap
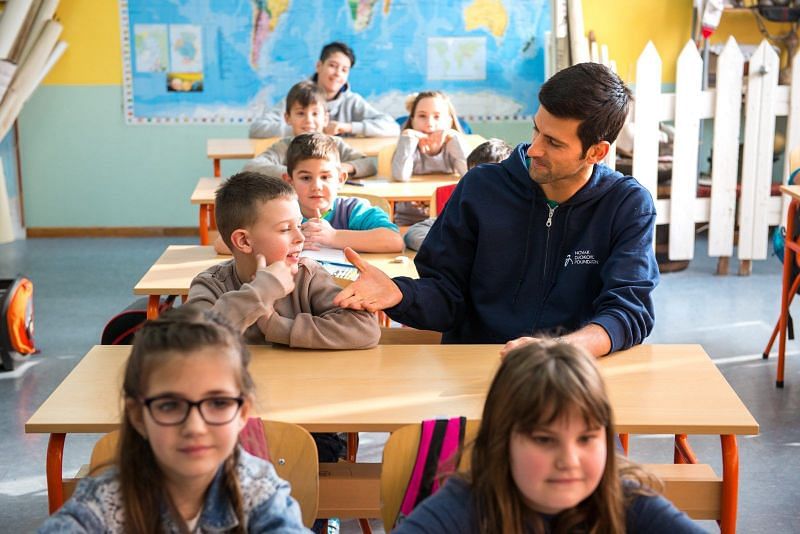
x=253, y=439
x=440, y=440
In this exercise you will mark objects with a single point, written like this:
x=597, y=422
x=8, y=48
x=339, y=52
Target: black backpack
x=119, y=330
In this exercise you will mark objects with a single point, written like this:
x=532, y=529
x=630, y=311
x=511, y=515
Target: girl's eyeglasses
x=168, y=410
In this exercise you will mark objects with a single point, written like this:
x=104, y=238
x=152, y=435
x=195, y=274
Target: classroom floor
x=80, y=283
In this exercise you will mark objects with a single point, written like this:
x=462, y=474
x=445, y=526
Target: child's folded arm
x=268, y=163
x=457, y=150
x=403, y=158
x=321, y=325
x=241, y=307
x=363, y=165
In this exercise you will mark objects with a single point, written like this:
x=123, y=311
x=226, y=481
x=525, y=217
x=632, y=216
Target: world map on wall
x=222, y=61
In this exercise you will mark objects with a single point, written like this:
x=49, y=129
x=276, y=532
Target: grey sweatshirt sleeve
x=367, y=120
x=271, y=123
x=364, y=166
x=456, y=154
x=271, y=162
x=403, y=158
x=417, y=233
x=242, y=307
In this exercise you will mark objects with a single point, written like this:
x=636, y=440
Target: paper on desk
x=328, y=255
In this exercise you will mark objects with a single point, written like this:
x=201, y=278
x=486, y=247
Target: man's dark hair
x=591, y=93
x=331, y=48
x=305, y=93
x=238, y=200
x=491, y=151
x=311, y=146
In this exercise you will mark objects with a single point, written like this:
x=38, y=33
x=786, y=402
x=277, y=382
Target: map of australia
x=487, y=55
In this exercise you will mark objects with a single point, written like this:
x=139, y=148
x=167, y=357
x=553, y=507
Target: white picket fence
x=764, y=101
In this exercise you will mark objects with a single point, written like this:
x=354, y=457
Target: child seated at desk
x=491, y=151
x=267, y=290
x=350, y=113
x=306, y=113
x=431, y=142
x=177, y=469
x=329, y=220
x=544, y=461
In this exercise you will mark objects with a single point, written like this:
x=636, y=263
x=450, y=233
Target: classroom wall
x=83, y=167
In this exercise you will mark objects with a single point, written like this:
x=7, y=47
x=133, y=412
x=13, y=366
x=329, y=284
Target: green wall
x=82, y=166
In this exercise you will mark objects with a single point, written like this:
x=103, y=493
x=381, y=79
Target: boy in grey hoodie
x=349, y=113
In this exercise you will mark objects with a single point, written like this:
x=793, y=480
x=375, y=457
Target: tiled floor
x=80, y=283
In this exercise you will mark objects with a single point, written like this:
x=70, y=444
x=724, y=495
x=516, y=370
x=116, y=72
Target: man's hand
x=515, y=344
x=338, y=128
x=373, y=291
x=318, y=232
x=280, y=270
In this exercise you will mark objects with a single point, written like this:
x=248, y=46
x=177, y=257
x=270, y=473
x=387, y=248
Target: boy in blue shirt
x=314, y=170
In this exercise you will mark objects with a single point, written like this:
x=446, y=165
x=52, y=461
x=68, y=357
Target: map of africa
x=193, y=61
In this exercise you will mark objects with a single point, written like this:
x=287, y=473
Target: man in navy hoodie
x=548, y=242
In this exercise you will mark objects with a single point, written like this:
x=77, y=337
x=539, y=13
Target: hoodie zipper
x=548, y=224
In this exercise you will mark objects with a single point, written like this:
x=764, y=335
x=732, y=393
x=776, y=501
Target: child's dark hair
x=336, y=46
x=310, y=146
x=411, y=106
x=305, y=93
x=536, y=385
x=591, y=93
x=238, y=200
x=177, y=333
x=490, y=151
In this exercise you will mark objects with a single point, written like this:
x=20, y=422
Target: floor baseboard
x=113, y=231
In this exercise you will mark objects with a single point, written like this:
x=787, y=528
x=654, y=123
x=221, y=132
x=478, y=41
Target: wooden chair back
x=385, y=161
x=399, y=455
x=375, y=200
x=291, y=448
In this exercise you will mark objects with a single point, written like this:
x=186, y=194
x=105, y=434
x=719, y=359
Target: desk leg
x=730, y=483
x=789, y=254
x=217, y=168
x=683, y=451
x=55, y=460
x=203, y=224
x=152, y=306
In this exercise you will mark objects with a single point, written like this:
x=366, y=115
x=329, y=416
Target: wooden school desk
x=654, y=389
x=219, y=149
x=173, y=272
x=419, y=188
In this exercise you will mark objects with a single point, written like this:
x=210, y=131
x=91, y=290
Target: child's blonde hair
x=536, y=385
x=176, y=333
x=413, y=100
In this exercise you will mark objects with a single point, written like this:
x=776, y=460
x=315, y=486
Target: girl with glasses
x=187, y=395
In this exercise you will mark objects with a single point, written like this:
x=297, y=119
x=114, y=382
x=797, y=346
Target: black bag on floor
x=119, y=330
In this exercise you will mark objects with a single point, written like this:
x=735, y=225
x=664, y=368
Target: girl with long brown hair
x=187, y=395
x=543, y=460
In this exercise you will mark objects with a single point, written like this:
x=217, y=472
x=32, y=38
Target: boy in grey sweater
x=349, y=113
x=306, y=113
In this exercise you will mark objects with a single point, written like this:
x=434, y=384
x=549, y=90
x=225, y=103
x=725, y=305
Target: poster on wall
x=194, y=61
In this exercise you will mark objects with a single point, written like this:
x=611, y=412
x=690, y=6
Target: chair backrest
x=409, y=336
x=440, y=197
x=399, y=456
x=385, y=161
x=293, y=453
x=375, y=200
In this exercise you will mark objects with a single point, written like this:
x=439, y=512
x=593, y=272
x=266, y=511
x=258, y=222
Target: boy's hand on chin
x=280, y=270
x=318, y=232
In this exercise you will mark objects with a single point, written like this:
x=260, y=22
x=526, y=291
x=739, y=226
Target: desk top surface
x=250, y=148
x=172, y=273
x=420, y=187
x=654, y=389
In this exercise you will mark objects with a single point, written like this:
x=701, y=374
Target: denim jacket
x=96, y=505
